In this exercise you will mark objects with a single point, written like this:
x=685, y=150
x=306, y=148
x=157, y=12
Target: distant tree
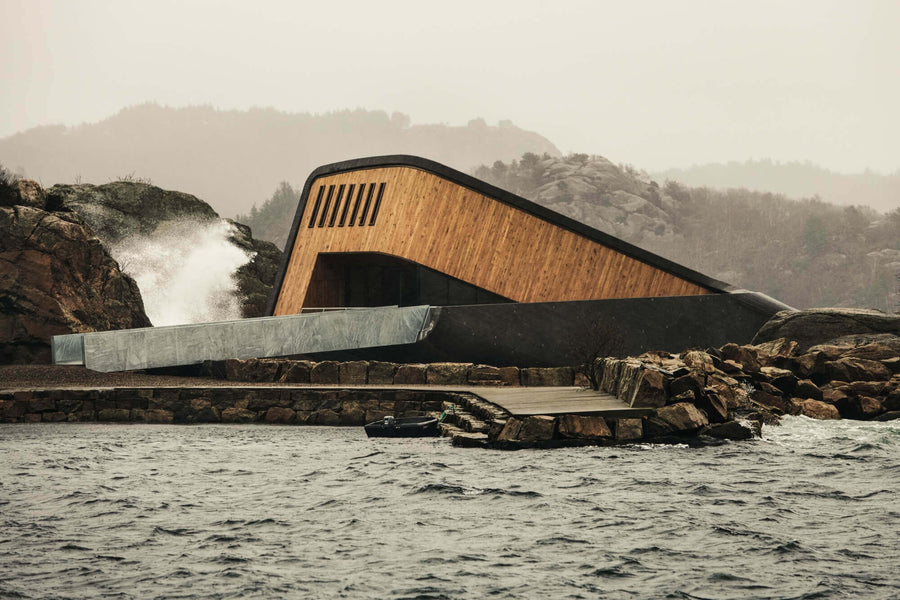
x=9, y=193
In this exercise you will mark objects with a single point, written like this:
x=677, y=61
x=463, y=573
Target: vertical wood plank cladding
x=452, y=229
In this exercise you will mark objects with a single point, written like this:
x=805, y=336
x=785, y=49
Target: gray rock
x=820, y=325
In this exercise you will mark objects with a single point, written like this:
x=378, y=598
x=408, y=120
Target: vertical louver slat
x=362, y=189
x=327, y=204
x=377, y=204
x=347, y=205
x=337, y=205
x=365, y=210
x=315, y=210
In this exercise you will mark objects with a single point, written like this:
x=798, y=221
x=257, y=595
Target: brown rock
x=410, y=374
x=729, y=390
x=855, y=369
x=629, y=429
x=353, y=373
x=807, y=389
x=537, y=428
x=865, y=388
x=713, y=405
x=158, y=416
x=583, y=427
x=207, y=414
x=114, y=414
x=296, y=371
x=773, y=401
x=447, y=373
x=382, y=372
x=816, y=409
x=693, y=382
x=325, y=417
x=651, y=390
x=31, y=194
x=545, y=377
x=510, y=431
x=238, y=415
x=326, y=372
x=780, y=347
x=783, y=379
x=746, y=356
x=277, y=414
x=731, y=430
x=484, y=375
x=354, y=415
x=510, y=376
x=698, y=361
x=819, y=325
x=875, y=351
x=892, y=400
x=56, y=278
x=861, y=407
x=682, y=417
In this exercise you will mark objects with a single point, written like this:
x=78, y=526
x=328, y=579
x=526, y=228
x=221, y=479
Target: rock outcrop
x=125, y=208
x=122, y=209
x=56, y=278
x=823, y=325
x=759, y=382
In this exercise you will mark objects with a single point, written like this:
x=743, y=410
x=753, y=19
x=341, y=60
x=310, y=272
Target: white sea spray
x=185, y=271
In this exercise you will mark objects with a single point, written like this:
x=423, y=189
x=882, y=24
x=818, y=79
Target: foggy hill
x=804, y=252
x=795, y=179
x=234, y=159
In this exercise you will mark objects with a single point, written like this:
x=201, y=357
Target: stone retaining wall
x=387, y=373
x=290, y=406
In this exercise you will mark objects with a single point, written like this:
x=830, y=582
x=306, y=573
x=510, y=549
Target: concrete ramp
x=327, y=331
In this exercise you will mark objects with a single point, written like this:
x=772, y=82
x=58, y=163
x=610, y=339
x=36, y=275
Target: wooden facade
x=422, y=213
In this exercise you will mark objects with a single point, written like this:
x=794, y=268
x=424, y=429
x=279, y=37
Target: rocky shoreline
x=695, y=397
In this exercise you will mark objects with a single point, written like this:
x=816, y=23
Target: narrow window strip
x=359, y=195
x=337, y=205
x=315, y=210
x=377, y=204
x=365, y=210
x=347, y=205
x=327, y=204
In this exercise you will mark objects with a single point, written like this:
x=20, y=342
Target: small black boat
x=405, y=427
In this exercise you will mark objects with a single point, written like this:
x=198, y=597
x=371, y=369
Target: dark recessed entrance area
x=358, y=280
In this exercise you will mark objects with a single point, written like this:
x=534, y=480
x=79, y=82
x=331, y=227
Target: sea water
x=132, y=511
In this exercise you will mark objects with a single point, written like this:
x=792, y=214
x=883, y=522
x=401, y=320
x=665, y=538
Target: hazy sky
x=656, y=84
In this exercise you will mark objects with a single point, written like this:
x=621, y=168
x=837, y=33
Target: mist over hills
x=234, y=159
x=796, y=180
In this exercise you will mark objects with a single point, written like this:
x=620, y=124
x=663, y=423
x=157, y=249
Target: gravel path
x=44, y=376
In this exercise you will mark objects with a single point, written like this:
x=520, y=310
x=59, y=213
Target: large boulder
x=122, y=209
x=57, y=278
x=819, y=325
x=125, y=208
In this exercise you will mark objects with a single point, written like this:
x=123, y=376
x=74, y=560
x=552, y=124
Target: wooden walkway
x=524, y=401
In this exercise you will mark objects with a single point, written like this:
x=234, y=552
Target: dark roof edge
x=482, y=187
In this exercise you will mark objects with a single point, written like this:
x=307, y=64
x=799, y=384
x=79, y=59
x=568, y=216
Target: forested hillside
x=804, y=252
x=796, y=180
x=233, y=159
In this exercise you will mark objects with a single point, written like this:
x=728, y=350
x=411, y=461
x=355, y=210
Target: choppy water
x=121, y=511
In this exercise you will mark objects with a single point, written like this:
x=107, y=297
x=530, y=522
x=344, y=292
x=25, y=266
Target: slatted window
x=377, y=204
x=337, y=205
x=327, y=204
x=365, y=209
x=366, y=205
x=359, y=196
x=315, y=210
x=347, y=205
